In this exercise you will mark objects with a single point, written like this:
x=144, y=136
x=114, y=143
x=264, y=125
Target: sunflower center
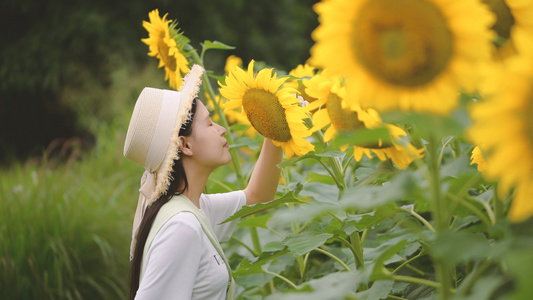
x=342, y=119
x=504, y=18
x=266, y=114
x=405, y=43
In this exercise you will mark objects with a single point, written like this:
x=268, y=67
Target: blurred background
x=66, y=67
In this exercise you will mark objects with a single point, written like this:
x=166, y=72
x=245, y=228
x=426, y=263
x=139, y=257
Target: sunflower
x=502, y=123
x=166, y=43
x=231, y=62
x=301, y=72
x=330, y=94
x=478, y=158
x=272, y=110
x=513, y=26
x=408, y=55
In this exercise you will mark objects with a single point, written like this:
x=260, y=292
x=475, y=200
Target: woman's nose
x=221, y=129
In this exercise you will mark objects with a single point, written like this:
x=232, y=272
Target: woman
x=172, y=136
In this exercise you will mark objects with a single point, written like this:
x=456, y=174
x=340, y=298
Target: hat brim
x=189, y=90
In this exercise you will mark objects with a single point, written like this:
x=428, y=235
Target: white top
x=182, y=263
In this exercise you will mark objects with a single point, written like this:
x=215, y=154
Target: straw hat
x=152, y=139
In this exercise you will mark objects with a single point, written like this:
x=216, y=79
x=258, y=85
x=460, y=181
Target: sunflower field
x=407, y=137
x=408, y=143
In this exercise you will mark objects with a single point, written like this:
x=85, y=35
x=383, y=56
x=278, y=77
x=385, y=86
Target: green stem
x=395, y=297
x=358, y=246
x=409, y=261
x=476, y=211
x=419, y=217
x=440, y=216
x=337, y=168
x=281, y=277
x=245, y=246
x=335, y=258
x=498, y=205
x=345, y=242
x=472, y=277
x=416, y=280
x=255, y=240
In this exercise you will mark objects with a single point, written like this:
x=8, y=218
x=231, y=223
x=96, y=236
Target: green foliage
x=65, y=229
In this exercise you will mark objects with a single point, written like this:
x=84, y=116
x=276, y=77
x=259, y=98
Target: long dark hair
x=177, y=177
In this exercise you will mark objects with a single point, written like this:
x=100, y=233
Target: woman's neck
x=196, y=180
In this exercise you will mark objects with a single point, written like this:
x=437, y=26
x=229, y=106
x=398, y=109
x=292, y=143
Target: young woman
x=172, y=136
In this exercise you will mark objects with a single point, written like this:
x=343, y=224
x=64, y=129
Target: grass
x=65, y=227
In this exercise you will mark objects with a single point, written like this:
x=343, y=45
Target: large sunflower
x=330, y=94
x=166, y=43
x=272, y=110
x=513, y=26
x=409, y=54
x=504, y=126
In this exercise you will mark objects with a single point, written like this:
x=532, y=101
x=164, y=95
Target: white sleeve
x=173, y=260
x=219, y=207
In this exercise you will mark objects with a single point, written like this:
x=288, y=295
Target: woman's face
x=209, y=147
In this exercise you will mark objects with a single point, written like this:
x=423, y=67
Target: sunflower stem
x=498, y=205
x=439, y=215
x=336, y=166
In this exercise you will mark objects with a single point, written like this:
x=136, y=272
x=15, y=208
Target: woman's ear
x=185, y=146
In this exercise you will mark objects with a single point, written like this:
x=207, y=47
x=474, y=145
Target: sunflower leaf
x=216, y=45
x=290, y=197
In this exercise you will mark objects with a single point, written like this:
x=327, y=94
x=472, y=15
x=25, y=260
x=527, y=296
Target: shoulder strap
x=175, y=205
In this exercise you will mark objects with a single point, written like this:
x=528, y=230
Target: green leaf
x=296, y=159
x=290, y=197
x=247, y=142
x=310, y=238
x=321, y=192
x=215, y=45
x=402, y=186
x=362, y=137
x=247, y=267
x=431, y=125
x=455, y=247
x=256, y=221
x=381, y=255
x=305, y=212
x=458, y=166
x=379, y=290
x=367, y=220
x=520, y=263
x=333, y=286
x=322, y=178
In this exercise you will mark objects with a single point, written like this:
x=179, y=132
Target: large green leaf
x=290, y=197
x=310, y=238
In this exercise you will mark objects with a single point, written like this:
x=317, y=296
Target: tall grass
x=65, y=228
